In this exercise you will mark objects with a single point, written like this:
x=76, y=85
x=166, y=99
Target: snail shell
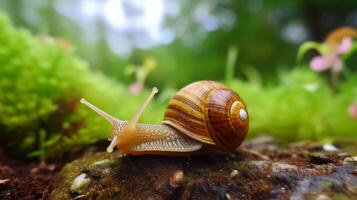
x=209, y=112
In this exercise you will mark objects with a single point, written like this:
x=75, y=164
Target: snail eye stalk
x=128, y=135
x=134, y=120
x=108, y=117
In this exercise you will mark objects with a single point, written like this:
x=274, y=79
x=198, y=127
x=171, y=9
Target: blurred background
x=296, y=84
x=188, y=40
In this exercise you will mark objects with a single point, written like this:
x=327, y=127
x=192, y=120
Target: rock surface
x=302, y=172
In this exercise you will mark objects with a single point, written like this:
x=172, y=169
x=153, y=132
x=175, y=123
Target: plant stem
x=42, y=145
x=231, y=59
x=334, y=80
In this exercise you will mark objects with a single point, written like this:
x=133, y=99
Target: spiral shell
x=209, y=112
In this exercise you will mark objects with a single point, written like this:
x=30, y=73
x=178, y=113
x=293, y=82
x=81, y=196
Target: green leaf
x=38, y=153
x=28, y=141
x=307, y=46
x=52, y=141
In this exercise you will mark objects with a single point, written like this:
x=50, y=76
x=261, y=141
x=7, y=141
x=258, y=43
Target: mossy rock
x=221, y=176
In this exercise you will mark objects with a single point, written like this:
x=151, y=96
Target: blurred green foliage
x=267, y=33
x=41, y=82
x=303, y=106
x=42, y=78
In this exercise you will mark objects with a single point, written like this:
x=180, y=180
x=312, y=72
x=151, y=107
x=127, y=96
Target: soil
x=26, y=181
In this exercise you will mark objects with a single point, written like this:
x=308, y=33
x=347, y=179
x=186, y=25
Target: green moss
x=242, y=166
x=41, y=82
x=93, y=166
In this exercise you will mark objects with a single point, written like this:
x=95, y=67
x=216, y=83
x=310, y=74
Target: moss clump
x=41, y=82
x=93, y=170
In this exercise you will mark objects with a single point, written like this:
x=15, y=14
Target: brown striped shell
x=209, y=112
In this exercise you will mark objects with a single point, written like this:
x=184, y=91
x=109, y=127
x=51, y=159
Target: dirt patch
x=19, y=180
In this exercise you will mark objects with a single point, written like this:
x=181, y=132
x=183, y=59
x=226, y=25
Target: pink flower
x=352, y=110
x=322, y=63
x=345, y=46
x=333, y=60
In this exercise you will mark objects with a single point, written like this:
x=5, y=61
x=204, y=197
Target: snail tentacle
x=112, y=144
x=130, y=126
x=105, y=115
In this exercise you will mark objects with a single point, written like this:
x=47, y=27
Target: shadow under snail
x=202, y=115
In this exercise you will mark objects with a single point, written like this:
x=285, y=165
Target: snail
x=202, y=115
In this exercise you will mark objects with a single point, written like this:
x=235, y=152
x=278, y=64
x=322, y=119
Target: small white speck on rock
x=80, y=182
x=228, y=196
x=234, y=173
x=102, y=162
x=177, y=179
x=329, y=147
x=107, y=171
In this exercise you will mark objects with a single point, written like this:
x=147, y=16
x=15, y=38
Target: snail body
x=202, y=114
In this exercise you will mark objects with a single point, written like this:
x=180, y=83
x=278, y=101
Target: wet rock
x=338, y=182
x=232, y=176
